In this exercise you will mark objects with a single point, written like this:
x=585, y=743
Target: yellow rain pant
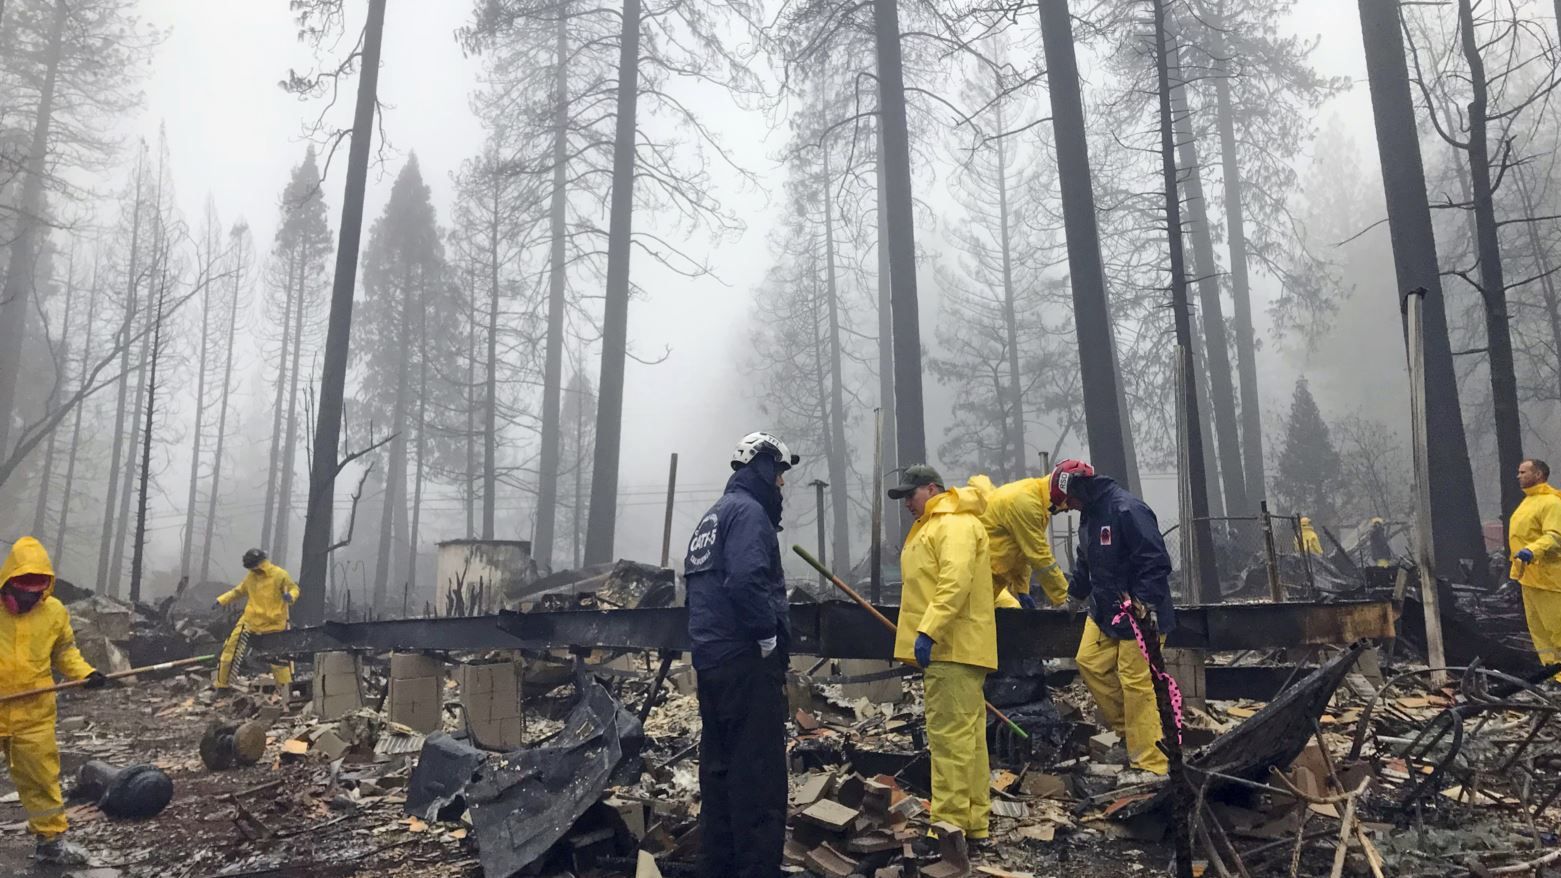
x=33, y=758
x=1118, y=676
x=1542, y=608
x=956, y=735
x=230, y=656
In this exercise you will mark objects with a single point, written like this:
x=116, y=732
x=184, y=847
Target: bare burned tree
x=1489, y=130
x=75, y=68
x=1455, y=515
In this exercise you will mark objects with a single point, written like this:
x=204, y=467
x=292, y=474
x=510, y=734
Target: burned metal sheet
x=527, y=800
x=444, y=770
x=1273, y=737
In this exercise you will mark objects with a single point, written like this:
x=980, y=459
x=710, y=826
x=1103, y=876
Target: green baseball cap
x=913, y=477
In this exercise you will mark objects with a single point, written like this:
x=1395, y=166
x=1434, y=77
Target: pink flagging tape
x=1126, y=612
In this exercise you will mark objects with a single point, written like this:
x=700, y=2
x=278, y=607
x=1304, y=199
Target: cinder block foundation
x=875, y=691
x=338, y=684
x=416, y=688
x=490, y=698
x=1186, y=666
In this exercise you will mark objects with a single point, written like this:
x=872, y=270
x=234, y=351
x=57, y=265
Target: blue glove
x=1026, y=601
x=1526, y=556
x=923, y=650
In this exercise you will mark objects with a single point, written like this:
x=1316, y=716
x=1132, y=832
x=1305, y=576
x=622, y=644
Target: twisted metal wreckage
x=525, y=801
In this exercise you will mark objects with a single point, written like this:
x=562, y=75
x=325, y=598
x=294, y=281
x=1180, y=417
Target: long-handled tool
x=862, y=602
x=72, y=684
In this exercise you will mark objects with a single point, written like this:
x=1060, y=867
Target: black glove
x=1026, y=601
x=96, y=680
x=216, y=606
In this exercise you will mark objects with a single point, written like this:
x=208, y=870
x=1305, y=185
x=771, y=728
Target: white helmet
x=755, y=444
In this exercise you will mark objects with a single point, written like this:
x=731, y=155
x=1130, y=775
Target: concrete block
x=1186, y=666
x=415, y=703
x=876, y=691
x=1106, y=747
x=490, y=698
x=410, y=665
x=338, y=686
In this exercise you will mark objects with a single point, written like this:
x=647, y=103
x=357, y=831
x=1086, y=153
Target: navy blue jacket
x=1120, y=552
x=736, y=589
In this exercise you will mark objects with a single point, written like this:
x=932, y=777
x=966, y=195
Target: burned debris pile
x=584, y=762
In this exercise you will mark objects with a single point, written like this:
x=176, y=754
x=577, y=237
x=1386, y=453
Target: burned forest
x=760, y=438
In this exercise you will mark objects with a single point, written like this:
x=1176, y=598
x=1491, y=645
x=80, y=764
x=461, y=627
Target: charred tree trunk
x=1255, y=481
x=553, y=364
x=579, y=498
x=46, y=478
x=892, y=524
x=333, y=374
x=21, y=273
x=1204, y=579
x=393, y=518
x=490, y=465
x=274, y=468
x=1014, y=433
x=471, y=409
x=284, y=501
x=910, y=423
x=1222, y=391
x=839, y=490
x=602, y=524
x=126, y=329
x=1547, y=283
x=1493, y=283
x=1110, y=434
x=222, y=418
x=200, y=410
x=138, y=551
x=1455, y=515
x=416, y=512
x=75, y=430
x=818, y=327
x=127, y=489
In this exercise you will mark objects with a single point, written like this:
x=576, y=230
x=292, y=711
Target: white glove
x=766, y=647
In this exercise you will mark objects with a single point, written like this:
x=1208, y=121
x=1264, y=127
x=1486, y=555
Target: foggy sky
x=235, y=135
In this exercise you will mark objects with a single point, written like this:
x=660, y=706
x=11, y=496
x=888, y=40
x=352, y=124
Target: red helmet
x=1062, y=476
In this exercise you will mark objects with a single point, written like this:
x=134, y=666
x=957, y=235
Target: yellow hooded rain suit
x=265, y=612
x=1309, y=541
x=1536, y=526
x=1018, y=528
x=33, y=647
x=947, y=594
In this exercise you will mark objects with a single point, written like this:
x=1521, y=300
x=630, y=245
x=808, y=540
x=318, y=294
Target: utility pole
x=875, y=557
x=666, y=528
x=818, y=486
x=1425, y=550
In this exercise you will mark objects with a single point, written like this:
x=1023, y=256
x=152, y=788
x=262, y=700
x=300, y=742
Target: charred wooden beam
x=835, y=630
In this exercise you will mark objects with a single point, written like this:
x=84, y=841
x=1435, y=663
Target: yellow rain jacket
x=1310, y=544
x=266, y=610
x=33, y=647
x=1018, y=527
x=947, y=594
x=1536, y=526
